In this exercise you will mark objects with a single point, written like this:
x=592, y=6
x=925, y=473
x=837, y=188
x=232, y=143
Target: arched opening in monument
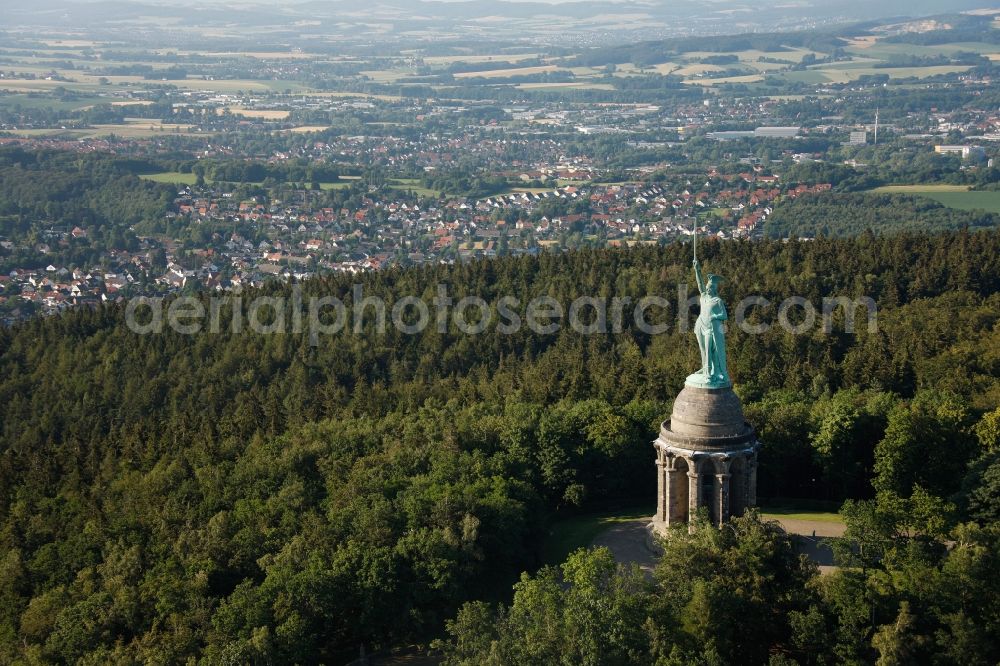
x=737, y=487
x=708, y=496
x=679, y=498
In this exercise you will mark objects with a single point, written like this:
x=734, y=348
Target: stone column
x=661, y=488
x=745, y=492
x=676, y=487
x=722, y=497
x=694, y=494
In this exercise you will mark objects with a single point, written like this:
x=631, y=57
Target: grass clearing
x=988, y=201
x=922, y=189
x=818, y=516
x=413, y=185
x=959, y=197
x=791, y=509
x=565, y=536
x=171, y=178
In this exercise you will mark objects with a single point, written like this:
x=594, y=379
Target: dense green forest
x=251, y=498
x=741, y=595
x=86, y=190
x=44, y=191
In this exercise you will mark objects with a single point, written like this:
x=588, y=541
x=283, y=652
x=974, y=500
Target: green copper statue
x=708, y=331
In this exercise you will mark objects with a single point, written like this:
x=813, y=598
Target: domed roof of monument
x=707, y=418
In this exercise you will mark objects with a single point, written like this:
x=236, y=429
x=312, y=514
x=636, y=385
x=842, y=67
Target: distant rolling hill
x=502, y=19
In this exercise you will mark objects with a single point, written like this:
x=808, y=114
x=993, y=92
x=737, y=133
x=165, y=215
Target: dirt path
x=629, y=542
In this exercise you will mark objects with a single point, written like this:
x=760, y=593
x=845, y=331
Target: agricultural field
x=507, y=73
x=882, y=50
x=413, y=185
x=36, y=101
x=921, y=189
x=178, y=178
x=988, y=201
x=662, y=68
x=171, y=178
x=845, y=74
x=97, y=82
x=132, y=128
x=753, y=55
x=952, y=196
x=349, y=94
x=387, y=75
x=746, y=78
x=306, y=129
x=91, y=83
x=578, y=85
x=261, y=55
x=869, y=55
x=695, y=69
x=261, y=114
x=477, y=59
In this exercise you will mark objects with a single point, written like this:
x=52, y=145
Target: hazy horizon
x=585, y=21
x=713, y=5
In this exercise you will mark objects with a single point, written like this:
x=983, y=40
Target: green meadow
x=952, y=196
x=172, y=177
x=988, y=201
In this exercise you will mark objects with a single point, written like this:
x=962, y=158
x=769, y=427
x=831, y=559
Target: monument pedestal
x=706, y=456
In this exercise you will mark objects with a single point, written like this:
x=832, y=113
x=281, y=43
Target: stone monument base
x=706, y=457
